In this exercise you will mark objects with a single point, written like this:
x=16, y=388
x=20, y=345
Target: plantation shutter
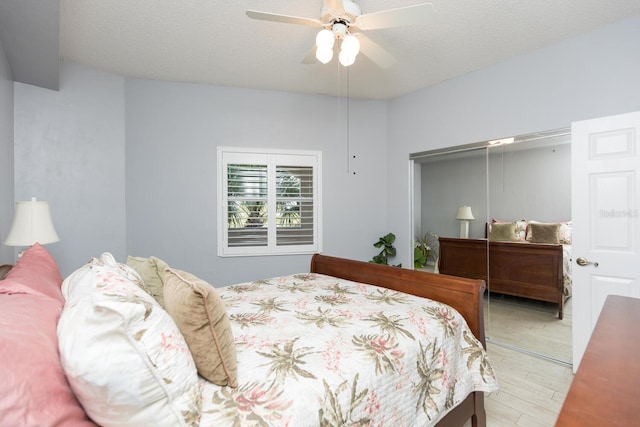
x=270, y=202
x=247, y=205
x=294, y=199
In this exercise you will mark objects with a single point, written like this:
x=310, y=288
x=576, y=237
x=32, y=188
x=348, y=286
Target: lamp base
x=464, y=229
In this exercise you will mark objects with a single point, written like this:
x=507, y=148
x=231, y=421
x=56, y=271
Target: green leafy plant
x=425, y=249
x=388, y=250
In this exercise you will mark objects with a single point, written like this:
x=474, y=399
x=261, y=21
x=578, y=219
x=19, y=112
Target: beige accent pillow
x=150, y=269
x=202, y=318
x=544, y=233
x=503, y=232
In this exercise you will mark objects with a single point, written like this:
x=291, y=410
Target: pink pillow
x=35, y=273
x=34, y=390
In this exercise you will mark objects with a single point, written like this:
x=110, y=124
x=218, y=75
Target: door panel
x=605, y=197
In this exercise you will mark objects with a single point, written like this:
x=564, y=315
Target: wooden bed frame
x=528, y=270
x=465, y=295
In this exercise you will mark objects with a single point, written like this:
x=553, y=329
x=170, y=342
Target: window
x=270, y=202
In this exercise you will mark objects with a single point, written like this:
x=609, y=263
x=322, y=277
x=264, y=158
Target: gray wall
x=7, y=254
x=592, y=75
x=129, y=167
x=112, y=154
x=173, y=130
x=449, y=183
x=533, y=184
x=70, y=151
x=513, y=184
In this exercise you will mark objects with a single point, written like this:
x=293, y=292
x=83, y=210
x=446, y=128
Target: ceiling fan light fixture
x=325, y=39
x=345, y=58
x=349, y=49
x=324, y=55
x=351, y=45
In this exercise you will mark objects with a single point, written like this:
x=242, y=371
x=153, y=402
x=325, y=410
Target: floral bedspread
x=566, y=270
x=314, y=350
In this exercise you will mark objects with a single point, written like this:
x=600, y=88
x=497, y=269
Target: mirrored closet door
x=501, y=211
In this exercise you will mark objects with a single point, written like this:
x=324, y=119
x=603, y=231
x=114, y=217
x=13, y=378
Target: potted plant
x=424, y=250
x=388, y=250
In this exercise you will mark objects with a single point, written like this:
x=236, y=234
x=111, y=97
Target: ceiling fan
x=342, y=20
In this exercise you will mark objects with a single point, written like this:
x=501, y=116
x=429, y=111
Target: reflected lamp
x=464, y=215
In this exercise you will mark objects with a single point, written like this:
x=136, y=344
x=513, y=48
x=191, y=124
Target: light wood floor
x=529, y=324
x=532, y=388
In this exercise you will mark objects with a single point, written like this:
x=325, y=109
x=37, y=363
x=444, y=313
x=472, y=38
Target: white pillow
x=123, y=355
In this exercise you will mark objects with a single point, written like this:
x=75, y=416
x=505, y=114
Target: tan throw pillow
x=150, y=269
x=503, y=232
x=544, y=233
x=202, y=318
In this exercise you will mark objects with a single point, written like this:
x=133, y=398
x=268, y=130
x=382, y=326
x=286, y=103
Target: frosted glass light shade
x=324, y=55
x=31, y=223
x=346, y=59
x=349, y=49
x=351, y=45
x=325, y=39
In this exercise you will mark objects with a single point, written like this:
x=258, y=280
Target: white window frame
x=273, y=158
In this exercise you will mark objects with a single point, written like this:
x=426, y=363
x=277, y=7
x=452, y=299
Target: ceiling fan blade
x=311, y=57
x=375, y=52
x=334, y=7
x=275, y=17
x=400, y=17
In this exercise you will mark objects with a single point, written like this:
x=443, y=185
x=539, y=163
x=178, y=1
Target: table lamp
x=464, y=215
x=31, y=223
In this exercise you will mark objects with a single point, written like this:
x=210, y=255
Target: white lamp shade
x=465, y=213
x=31, y=223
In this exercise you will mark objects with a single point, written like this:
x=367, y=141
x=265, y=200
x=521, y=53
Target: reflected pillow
x=503, y=232
x=520, y=227
x=564, y=233
x=544, y=233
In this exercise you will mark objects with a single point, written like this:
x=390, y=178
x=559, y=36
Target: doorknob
x=584, y=262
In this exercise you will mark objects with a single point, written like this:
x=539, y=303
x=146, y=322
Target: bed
x=310, y=367
x=519, y=265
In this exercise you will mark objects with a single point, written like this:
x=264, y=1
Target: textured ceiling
x=213, y=41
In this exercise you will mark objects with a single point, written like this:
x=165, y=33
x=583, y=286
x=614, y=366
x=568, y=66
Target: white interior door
x=605, y=212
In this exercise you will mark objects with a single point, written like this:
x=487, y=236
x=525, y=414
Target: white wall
x=7, y=254
x=589, y=76
x=173, y=130
x=70, y=152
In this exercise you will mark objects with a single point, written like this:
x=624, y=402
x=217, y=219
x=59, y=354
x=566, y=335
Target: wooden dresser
x=606, y=388
x=528, y=270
